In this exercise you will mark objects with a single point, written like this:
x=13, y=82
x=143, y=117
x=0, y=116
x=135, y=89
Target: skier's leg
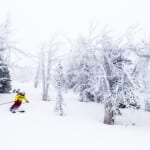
x=15, y=106
x=18, y=104
x=12, y=108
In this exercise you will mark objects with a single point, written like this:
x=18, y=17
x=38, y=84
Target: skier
x=19, y=98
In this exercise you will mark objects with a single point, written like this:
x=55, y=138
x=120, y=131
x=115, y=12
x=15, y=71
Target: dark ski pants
x=16, y=105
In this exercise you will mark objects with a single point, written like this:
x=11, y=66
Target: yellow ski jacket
x=21, y=98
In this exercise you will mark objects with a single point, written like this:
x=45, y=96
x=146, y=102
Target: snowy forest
x=74, y=92
x=100, y=68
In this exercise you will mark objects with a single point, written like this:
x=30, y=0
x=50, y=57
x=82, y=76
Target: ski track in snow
x=81, y=127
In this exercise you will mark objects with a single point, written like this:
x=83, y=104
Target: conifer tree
x=59, y=84
x=5, y=81
x=84, y=69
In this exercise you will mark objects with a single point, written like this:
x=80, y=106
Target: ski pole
x=6, y=103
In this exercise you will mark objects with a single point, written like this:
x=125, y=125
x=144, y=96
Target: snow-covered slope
x=81, y=128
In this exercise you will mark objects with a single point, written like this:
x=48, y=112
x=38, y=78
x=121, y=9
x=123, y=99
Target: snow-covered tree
x=5, y=80
x=59, y=85
x=121, y=87
x=84, y=69
x=139, y=49
x=47, y=58
x=114, y=75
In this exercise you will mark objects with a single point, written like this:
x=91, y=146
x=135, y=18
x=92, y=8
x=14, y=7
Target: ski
x=21, y=111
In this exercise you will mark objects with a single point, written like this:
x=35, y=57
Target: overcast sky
x=35, y=20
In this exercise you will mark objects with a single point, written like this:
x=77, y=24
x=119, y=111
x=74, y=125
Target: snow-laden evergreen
x=84, y=72
x=5, y=79
x=59, y=85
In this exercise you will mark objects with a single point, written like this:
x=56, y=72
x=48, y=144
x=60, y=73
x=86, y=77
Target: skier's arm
x=26, y=100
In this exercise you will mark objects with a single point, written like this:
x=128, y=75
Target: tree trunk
x=147, y=105
x=37, y=76
x=44, y=94
x=109, y=114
